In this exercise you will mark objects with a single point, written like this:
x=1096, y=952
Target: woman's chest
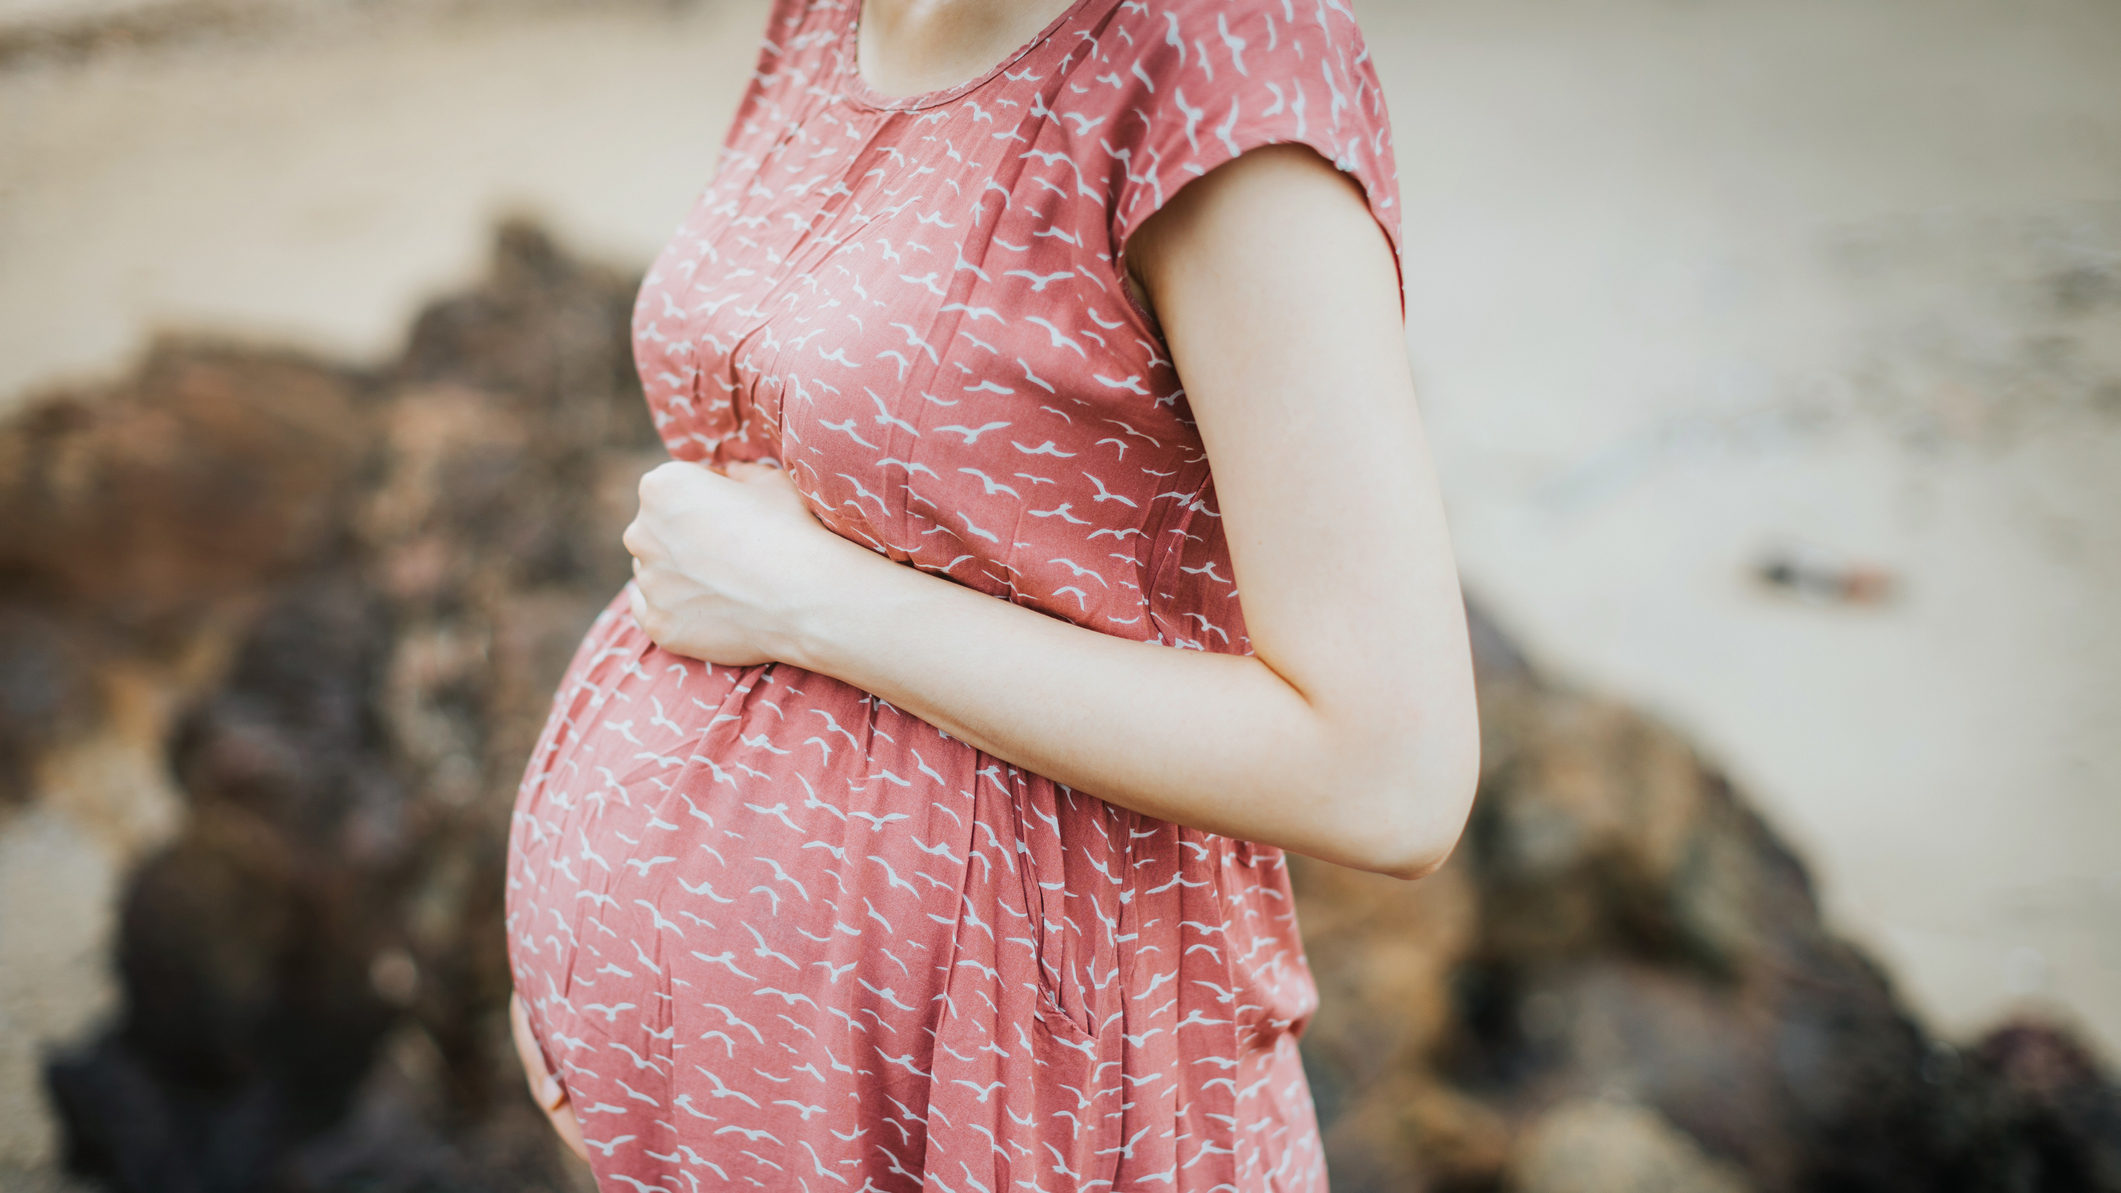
x=918, y=316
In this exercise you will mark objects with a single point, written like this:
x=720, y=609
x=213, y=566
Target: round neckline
x=856, y=88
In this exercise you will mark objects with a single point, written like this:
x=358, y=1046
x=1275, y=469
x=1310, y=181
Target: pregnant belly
x=790, y=869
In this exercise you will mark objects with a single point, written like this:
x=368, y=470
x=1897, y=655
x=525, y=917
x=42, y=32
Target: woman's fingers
x=545, y=1087
x=527, y=1050
x=570, y=1129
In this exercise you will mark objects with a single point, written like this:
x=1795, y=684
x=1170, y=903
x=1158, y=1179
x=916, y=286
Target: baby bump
x=753, y=878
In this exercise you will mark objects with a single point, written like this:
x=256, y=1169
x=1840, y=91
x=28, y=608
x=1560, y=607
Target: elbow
x=1414, y=854
x=1418, y=810
x=1420, y=861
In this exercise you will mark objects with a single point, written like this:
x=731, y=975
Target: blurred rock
x=209, y=474
x=1618, y=924
x=47, y=692
x=408, y=560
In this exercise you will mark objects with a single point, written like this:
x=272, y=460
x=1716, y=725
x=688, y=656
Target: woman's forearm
x=1217, y=742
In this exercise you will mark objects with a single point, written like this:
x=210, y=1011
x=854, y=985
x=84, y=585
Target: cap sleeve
x=1209, y=80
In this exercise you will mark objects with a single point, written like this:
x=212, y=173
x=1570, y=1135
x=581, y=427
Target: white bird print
x=1207, y=569
x=762, y=951
x=586, y=854
x=991, y=485
x=1039, y=281
x=779, y=812
x=705, y=888
x=658, y=922
x=1079, y=570
x=860, y=491
x=964, y=265
x=639, y=1061
x=972, y=434
x=975, y=528
x=731, y=1016
x=791, y=997
x=1104, y=494
x=885, y=417
x=781, y=875
x=911, y=467
x=984, y=1091
x=1060, y=511
x=660, y=718
x=762, y=742
x=892, y=878
x=723, y=1091
x=750, y=1136
x=846, y=427
x=726, y=960
x=1060, y=340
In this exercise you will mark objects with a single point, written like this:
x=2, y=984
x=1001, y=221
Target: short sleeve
x=1209, y=79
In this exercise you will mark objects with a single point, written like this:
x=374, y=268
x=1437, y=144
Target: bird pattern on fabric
x=774, y=932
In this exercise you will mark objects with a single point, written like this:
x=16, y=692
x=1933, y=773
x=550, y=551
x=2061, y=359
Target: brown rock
x=212, y=472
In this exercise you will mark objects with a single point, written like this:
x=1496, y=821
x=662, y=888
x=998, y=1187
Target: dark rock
x=47, y=691
x=212, y=472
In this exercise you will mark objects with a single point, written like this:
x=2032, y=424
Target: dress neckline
x=858, y=90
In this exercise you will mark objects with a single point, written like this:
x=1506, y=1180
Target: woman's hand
x=545, y=1088
x=727, y=564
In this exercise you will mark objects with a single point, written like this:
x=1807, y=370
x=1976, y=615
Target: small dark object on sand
x=1817, y=579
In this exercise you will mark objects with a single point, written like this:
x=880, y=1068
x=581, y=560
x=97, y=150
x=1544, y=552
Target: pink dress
x=774, y=932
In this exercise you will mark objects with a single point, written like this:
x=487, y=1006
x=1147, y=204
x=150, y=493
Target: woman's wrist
x=825, y=633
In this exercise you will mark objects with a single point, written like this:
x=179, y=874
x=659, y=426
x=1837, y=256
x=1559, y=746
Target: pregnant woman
x=915, y=818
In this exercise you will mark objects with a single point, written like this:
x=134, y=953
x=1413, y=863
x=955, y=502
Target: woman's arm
x=1349, y=735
